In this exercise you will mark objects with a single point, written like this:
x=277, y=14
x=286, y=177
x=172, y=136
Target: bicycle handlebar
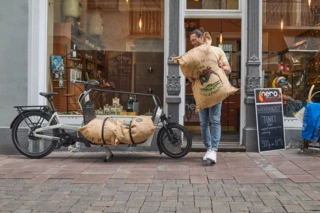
x=90, y=82
x=155, y=98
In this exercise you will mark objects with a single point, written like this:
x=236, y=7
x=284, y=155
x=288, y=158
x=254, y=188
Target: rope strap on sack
x=102, y=130
x=130, y=132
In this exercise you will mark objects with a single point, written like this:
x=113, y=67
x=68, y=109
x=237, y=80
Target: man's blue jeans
x=211, y=114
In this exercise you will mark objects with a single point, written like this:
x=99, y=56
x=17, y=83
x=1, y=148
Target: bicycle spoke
x=174, y=141
x=174, y=145
x=41, y=119
x=25, y=140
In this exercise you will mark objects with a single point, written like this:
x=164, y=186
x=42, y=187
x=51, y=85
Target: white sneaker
x=206, y=155
x=212, y=157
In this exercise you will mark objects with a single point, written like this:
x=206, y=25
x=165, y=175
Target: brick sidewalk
x=280, y=181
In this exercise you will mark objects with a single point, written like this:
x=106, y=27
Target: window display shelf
x=77, y=40
x=100, y=63
x=303, y=51
x=75, y=68
x=67, y=36
x=90, y=60
x=286, y=72
x=74, y=59
x=57, y=80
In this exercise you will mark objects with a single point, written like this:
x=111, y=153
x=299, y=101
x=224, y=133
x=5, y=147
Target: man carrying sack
x=207, y=68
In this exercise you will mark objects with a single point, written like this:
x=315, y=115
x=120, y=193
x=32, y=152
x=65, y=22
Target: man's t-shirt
x=219, y=53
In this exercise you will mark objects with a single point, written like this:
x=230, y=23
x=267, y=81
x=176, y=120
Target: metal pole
x=67, y=69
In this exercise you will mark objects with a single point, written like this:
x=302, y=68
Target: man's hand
x=225, y=66
x=191, y=80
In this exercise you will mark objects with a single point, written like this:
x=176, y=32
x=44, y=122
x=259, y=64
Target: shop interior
x=116, y=42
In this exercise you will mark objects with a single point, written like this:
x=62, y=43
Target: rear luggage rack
x=43, y=108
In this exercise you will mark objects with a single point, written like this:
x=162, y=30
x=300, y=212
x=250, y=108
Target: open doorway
x=231, y=44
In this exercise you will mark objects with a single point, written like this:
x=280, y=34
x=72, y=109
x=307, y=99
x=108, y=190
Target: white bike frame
x=83, y=96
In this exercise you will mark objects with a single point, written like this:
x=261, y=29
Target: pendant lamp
x=221, y=37
x=140, y=20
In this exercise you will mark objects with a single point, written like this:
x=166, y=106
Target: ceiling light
x=140, y=20
x=220, y=33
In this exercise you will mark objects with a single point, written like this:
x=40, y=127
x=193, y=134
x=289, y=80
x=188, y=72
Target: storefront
x=290, y=56
x=127, y=45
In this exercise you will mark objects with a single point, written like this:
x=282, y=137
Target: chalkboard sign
x=269, y=116
x=120, y=69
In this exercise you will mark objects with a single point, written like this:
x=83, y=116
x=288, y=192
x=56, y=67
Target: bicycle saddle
x=48, y=94
x=92, y=82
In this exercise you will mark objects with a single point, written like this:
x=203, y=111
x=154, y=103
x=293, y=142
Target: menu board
x=120, y=70
x=269, y=116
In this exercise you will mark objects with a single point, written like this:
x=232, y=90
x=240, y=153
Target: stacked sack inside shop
x=211, y=84
x=112, y=131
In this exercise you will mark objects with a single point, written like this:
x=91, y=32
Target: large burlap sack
x=140, y=127
x=212, y=88
x=94, y=129
x=212, y=84
x=191, y=62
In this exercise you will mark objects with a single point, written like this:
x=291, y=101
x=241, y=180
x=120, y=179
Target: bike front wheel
x=23, y=134
x=174, y=140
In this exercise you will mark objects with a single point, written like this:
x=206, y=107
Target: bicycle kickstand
x=108, y=152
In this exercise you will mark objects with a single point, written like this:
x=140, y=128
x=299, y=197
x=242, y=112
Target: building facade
x=128, y=44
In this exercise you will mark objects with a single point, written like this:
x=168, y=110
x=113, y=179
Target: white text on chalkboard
x=269, y=119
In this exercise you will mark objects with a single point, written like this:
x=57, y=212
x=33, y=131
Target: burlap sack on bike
x=212, y=84
x=135, y=131
x=101, y=131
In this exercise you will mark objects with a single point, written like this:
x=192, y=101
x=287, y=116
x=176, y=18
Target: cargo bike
x=37, y=130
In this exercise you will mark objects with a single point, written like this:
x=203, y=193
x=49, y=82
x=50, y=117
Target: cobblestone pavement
x=278, y=181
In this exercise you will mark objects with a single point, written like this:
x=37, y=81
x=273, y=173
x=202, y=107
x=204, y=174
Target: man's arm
x=225, y=66
x=191, y=80
x=223, y=61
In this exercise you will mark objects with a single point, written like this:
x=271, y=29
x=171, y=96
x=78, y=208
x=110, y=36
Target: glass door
x=230, y=30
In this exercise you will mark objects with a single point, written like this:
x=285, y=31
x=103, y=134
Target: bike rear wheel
x=24, y=139
x=175, y=141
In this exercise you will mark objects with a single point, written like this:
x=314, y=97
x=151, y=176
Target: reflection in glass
x=213, y=4
x=291, y=49
x=116, y=40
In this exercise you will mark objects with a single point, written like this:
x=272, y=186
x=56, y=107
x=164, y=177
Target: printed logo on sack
x=204, y=77
x=139, y=120
x=269, y=96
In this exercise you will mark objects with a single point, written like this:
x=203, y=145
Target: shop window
x=113, y=41
x=290, y=45
x=213, y=5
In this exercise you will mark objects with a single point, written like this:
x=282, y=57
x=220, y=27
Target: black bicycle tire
x=162, y=132
x=16, y=142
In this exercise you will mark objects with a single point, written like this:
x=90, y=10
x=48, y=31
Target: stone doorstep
x=228, y=143
x=197, y=146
